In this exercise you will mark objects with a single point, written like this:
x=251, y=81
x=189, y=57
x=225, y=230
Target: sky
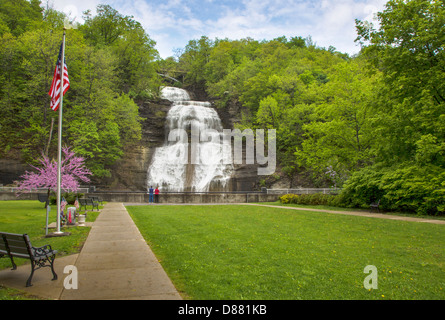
x=172, y=23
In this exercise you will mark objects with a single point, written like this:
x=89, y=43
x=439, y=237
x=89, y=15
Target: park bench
x=42, y=197
x=88, y=202
x=375, y=205
x=19, y=245
x=97, y=199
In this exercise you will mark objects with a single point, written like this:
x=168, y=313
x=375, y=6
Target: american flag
x=63, y=204
x=54, y=92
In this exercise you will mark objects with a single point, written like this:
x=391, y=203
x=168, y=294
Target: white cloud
x=173, y=23
x=337, y=23
x=74, y=8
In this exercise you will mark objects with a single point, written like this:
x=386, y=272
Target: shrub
x=311, y=199
x=408, y=187
x=362, y=188
x=288, y=198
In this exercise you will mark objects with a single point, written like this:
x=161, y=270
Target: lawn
x=324, y=207
x=247, y=252
x=30, y=217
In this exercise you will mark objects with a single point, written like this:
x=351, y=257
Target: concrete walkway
x=114, y=263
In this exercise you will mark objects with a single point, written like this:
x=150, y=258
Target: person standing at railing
x=156, y=195
x=150, y=195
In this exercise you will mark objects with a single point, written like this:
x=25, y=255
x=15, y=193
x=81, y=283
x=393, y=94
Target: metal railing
x=42, y=190
x=304, y=191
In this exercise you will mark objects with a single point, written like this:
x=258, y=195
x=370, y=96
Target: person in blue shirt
x=150, y=195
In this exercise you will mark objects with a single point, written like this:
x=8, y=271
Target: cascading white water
x=184, y=165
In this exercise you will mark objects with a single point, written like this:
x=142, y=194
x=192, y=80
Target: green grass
x=30, y=217
x=324, y=207
x=248, y=252
x=13, y=294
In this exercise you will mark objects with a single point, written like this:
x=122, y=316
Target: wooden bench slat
x=20, y=250
x=13, y=236
x=16, y=243
x=20, y=255
x=18, y=247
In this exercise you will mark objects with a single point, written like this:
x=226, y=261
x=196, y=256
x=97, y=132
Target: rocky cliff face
x=130, y=172
x=245, y=177
x=11, y=170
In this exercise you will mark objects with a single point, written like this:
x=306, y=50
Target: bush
x=312, y=199
x=408, y=188
x=288, y=198
x=363, y=188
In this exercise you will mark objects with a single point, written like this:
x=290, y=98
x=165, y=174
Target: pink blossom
x=72, y=170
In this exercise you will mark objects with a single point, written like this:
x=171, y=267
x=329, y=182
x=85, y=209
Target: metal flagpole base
x=58, y=234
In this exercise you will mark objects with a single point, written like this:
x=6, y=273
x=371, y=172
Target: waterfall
x=184, y=162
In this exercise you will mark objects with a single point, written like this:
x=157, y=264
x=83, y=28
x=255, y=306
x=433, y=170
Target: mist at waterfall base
x=171, y=169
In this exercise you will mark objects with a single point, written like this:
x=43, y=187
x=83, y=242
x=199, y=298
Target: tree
x=131, y=46
x=194, y=60
x=73, y=170
x=409, y=49
x=340, y=136
x=409, y=119
x=106, y=27
x=19, y=15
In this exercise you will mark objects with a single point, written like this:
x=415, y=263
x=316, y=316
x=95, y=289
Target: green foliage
x=194, y=58
x=408, y=47
x=312, y=199
x=19, y=16
x=108, y=57
x=408, y=188
x=133, y=49
x=374, y=123
x=340, y=135
x=408, y=113
x=70, y=197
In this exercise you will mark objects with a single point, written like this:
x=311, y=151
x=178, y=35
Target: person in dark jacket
x=150, y=195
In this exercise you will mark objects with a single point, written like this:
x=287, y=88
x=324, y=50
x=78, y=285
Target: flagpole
x=59, y=152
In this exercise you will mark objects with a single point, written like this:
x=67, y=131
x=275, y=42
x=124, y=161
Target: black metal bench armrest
x=44, y=251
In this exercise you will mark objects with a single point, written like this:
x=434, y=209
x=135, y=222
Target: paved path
x=114, y=263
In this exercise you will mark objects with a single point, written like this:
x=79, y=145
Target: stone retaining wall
x=140, y=197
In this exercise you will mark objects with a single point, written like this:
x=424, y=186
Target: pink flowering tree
x=72, y=172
